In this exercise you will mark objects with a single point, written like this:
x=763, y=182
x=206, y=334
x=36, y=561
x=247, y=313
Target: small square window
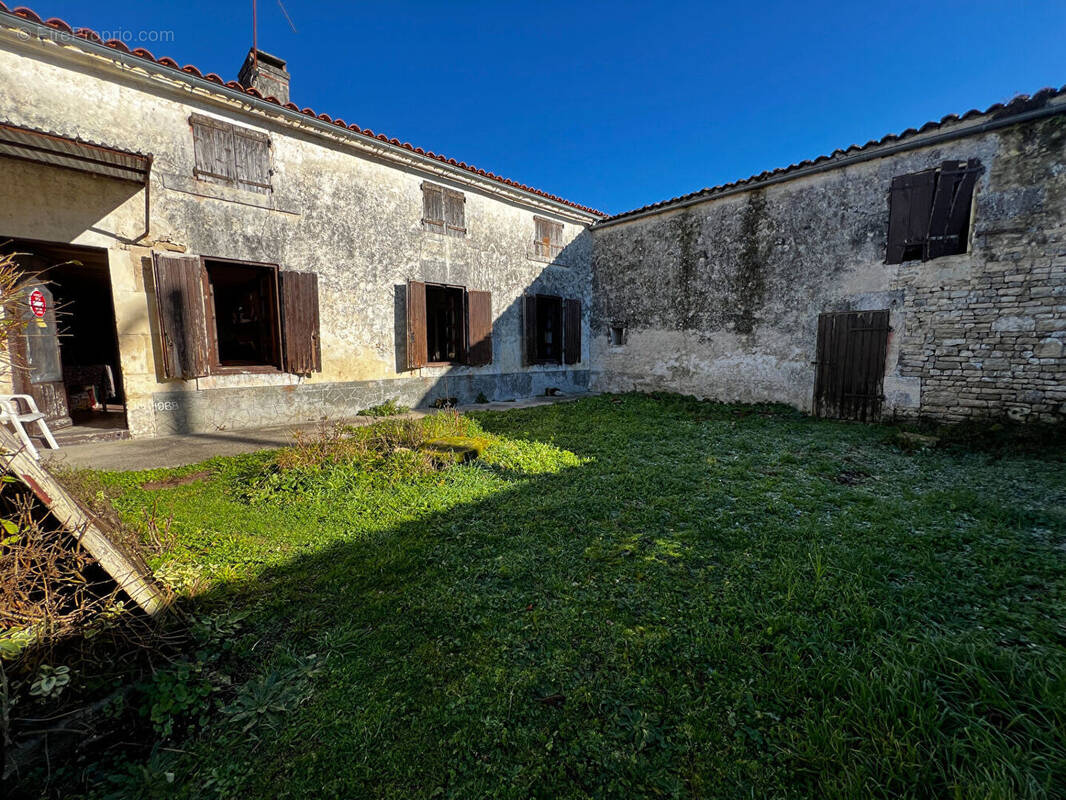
x=548, y=238
x=617, y=335
x=443, y=210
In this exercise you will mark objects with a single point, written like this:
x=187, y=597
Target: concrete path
x=191, y=448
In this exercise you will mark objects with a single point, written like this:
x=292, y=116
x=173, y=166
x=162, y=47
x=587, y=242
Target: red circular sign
x=38, y=305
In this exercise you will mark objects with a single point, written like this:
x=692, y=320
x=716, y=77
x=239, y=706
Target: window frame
x=558, y=313
x=464, y=325
x=239, y=178
x=214, y=363
x=555, y=246
x=442, y=226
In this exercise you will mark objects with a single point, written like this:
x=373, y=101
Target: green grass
x=624, y=597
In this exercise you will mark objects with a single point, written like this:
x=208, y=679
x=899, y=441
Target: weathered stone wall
x=350, y=212
x=721, y=298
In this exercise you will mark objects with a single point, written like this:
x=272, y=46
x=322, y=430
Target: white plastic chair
x=10, y=414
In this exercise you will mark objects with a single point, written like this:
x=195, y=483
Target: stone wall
x=721, y=298
x=348, y=209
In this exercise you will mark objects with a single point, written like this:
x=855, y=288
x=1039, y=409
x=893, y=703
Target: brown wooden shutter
x=572, y=332
x=556, y=239
x=251, y=152
x=433, y=207
x=302, y=346
x=910, y=205
x=542, y=244
x=213, y=149
x=479, y=309
x=417, y=344
x=179, y=299
x=455, y=213
x=949, y=221
x=530, y=321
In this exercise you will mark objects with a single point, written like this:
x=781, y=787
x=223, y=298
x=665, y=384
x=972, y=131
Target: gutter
x=1050, y=110
x=381, y=148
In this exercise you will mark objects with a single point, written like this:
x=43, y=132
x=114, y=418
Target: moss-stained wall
x=721, y=298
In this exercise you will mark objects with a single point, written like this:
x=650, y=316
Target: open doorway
x=70, y=348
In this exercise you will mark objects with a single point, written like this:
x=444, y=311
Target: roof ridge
x=1017, y=105
x=140, y=52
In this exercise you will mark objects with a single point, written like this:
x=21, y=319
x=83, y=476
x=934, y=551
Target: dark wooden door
x=851, y=364
x=41, y=375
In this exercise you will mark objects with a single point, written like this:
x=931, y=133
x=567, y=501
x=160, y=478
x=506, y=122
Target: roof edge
x=87, y=40
x=999, y=115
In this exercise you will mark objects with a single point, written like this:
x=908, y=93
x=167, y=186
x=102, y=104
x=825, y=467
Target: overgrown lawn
x=623, y=597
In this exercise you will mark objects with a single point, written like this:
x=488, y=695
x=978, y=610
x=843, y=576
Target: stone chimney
x=266, y=74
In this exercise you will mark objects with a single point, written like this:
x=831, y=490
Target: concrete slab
x=192, y=448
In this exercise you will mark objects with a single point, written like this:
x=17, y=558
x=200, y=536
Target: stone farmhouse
x=226, y=259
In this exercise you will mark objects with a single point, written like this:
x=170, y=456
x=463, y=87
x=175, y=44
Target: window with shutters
x=929, y=212
x=447, y=325
x=243, y=315
x=229, y=155
x=217, y=316
x=552, y=329
x=443, y=210
x=547, y=238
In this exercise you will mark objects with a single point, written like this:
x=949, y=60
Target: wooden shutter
x=556, y=238
x=212, y=142
x=251, y=152
x=530, y=321
x=433, y=207
x=417, y=344
x=572, y=331
x=455, y=213
x=179, y=299
x=542, y=240
x=302, y=346
x=949, y=220
x=479, y=310
x=910, y=205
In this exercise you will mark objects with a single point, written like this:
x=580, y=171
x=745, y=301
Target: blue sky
x=618, y=104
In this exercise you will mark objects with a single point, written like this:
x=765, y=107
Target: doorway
x=851, y=364
x=69, y=350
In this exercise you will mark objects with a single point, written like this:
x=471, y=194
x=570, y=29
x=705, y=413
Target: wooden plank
x=479, y=310
x=529, y=319
x=572, y=331
x=179, y=298
x=417, y=341
x=131, y=575
x=251, y=154
x=302, y=347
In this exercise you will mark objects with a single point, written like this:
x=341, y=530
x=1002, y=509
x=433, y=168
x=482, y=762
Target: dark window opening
x=549, y=329
x=929, y=212
x=243, y=302
x=445, y=334
x=618, y=335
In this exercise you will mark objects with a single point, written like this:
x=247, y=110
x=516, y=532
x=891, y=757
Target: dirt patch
x=177, y=480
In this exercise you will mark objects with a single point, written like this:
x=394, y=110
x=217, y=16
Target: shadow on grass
x=700, y=608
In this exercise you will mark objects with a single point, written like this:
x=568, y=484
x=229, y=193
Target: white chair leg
x=48, y=437
x=25, y=439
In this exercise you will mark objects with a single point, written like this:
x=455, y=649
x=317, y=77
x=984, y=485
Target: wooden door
x=850, y=372
x=37, y=348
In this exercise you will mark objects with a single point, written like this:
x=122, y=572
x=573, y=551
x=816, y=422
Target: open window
x=217, y=316
x=929, y=212
x=547, y=238
x=447, y=325
x=552, y=330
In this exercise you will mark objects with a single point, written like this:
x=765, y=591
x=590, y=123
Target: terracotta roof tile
x=1018, y=105
x=140, y=52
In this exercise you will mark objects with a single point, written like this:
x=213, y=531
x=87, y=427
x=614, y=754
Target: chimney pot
x=266, y=74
